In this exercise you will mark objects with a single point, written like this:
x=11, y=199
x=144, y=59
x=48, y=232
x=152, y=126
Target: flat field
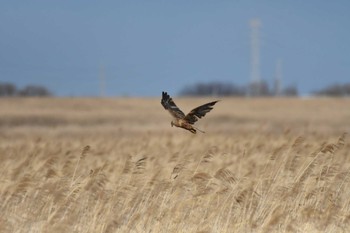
x=116, y=165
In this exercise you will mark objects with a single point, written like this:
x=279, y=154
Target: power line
x=255, y=24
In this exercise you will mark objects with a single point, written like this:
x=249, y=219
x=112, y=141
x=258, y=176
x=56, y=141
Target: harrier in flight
x=185, y=121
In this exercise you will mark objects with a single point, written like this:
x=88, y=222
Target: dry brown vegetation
x=116, y=165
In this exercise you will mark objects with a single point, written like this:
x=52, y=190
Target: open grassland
x=116, y=165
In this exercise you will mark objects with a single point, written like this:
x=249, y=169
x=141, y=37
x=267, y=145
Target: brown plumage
x=180, y=119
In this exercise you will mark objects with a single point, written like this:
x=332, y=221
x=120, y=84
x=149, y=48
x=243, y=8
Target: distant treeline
x=259, y=89
x=229, y=89
x=335, y=90
x=9, y=89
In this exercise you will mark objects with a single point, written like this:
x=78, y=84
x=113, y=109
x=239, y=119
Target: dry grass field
x=116, y=165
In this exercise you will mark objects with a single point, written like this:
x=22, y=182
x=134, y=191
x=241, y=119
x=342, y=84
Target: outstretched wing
x=169, y=105
x=199, y=112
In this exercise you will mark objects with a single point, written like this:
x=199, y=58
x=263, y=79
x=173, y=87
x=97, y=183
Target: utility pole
x=278, y=77
x=102, y=81
x=255, y=25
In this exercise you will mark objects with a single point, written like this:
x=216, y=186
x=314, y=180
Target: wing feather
x=169, y=105
x=199, y=112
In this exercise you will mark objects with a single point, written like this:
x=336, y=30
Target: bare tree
x=290, y=91
x=335, y=90
x=7, y=89
x=213, y=88
x=33, y=90
x=260, y=88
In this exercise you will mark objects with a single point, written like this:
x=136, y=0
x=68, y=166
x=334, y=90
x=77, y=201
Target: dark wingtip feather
x=165, y=97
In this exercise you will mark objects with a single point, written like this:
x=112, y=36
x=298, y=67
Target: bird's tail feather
x=198, y=129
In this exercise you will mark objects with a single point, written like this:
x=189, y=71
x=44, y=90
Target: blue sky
x=149, y=46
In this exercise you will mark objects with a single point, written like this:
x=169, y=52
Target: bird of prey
x=180, y=119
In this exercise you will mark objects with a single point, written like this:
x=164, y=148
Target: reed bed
x=116, y=165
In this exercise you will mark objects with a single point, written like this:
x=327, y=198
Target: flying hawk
x=180, y=119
